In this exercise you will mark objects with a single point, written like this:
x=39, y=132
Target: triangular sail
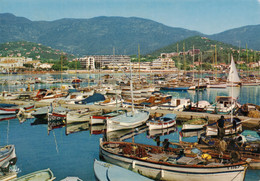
x=233, y=75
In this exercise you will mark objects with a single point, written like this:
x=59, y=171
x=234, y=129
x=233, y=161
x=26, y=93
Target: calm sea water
x=73, y=154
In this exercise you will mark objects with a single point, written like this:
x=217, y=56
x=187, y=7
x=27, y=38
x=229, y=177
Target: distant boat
x=175, y=88
x=109, y=172
x=162, y=122
x=45, y=175
x=96, y=97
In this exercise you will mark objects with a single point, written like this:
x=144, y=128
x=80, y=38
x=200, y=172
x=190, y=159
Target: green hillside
x=210, y=49
x=32, y=50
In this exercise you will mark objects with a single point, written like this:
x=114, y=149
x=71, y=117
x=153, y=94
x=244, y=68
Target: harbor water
x=73, y=154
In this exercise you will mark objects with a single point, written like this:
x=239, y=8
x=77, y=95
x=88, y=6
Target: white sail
x=233, y=75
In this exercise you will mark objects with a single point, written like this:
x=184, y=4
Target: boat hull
x=159, y=171
x=161, y=125
x=213, y=131
x=128, y=120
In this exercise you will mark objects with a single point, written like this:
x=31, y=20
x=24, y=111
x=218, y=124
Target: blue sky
x=206, y=16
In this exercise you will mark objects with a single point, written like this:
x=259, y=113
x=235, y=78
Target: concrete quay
x=248, y=122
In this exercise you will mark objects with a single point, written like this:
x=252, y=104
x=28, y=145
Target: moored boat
x=7, y=157
x=128, y=120
x=163, y=122
x=109, y=172
x=101, y=119
x=194, y=124
x=170, y=164
x=212, y=130
x=45, y=175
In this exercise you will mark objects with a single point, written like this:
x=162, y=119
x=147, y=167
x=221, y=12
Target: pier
x=247, y=122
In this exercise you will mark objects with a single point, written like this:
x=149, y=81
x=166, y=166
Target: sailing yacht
x=233, y=78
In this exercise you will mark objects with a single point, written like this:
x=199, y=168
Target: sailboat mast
x=193, y=62
x=216, y=60
x=178, y=62
x=61, y=62
x=131, y=88
x=184, y=61
x=232, y=87
x=139, y=62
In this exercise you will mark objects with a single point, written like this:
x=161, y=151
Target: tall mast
x=193, y=62
x=139, y=62
x=247, y=59
x=61, y=68
x=178, y=61
x=184, y=61
x=216, y=61
x=131, y=88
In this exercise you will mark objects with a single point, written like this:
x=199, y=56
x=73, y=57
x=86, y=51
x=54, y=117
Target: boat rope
x=57, y=149
x=238, y=174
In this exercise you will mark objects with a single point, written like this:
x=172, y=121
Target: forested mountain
x=249, y=35
x=93, y=36
x=100, y=35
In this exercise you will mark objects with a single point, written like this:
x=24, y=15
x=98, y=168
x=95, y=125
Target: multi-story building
x=13, y=62
x=103, y=61
x=163, y=64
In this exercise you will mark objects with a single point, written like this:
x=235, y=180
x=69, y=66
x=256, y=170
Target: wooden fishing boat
x=109, y=172
x=163, y=122
x=45, y=175
x=212, y=130
x=7, y=157
x=194, y=124
x=170, y=164
x=128, y=120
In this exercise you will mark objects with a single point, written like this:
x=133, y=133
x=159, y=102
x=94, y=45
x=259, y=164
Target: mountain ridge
x=99, y=35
